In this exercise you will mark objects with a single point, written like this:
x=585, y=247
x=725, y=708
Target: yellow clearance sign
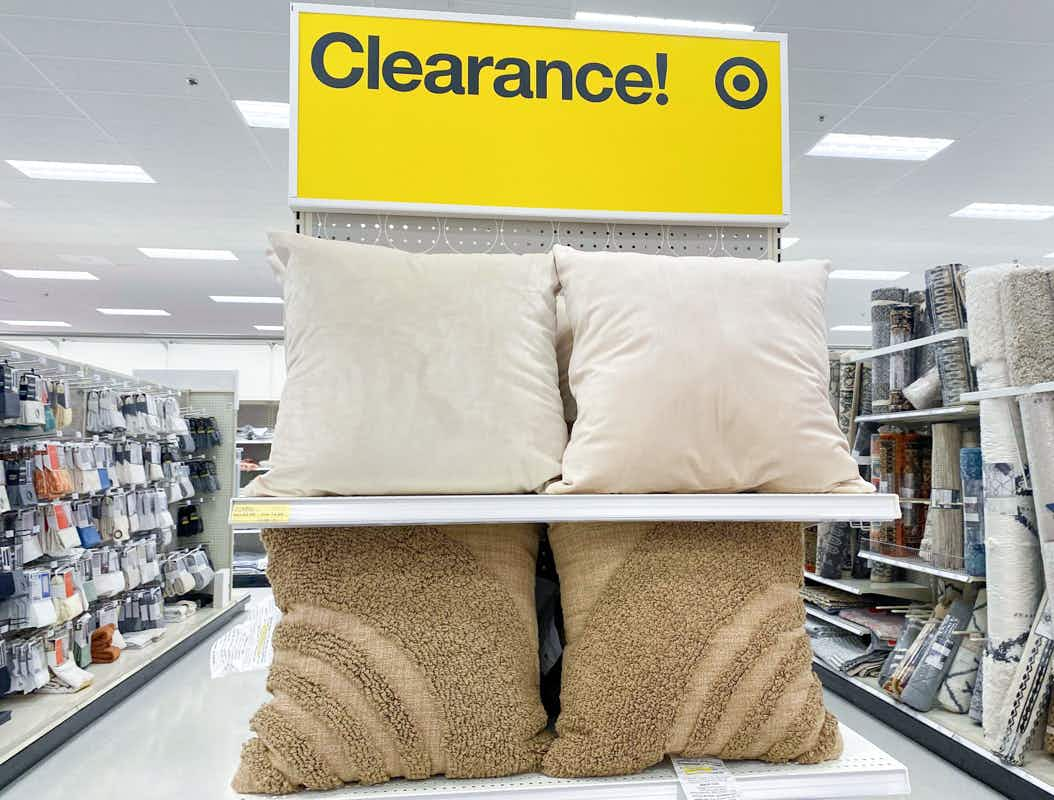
x=394, y=111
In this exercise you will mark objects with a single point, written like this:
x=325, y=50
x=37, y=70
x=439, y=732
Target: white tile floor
x=180, y=736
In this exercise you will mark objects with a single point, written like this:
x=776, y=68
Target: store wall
x=260, y=366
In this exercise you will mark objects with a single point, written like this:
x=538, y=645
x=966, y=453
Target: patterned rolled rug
x=956, y=693
x=881, y=300
x=406, y=651
x=948, y=313
x=684, y=638
x=1012, y=561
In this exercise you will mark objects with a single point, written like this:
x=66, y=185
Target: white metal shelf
x=867, y=355
x=863, y=771
x=863, y=586
x=1009, y=391
x=916, y=564
x=837, y=621
x=300, y=512
x=924, y=416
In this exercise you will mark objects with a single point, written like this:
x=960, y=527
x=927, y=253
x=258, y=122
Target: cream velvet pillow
x=698, y=374
x=414, y=374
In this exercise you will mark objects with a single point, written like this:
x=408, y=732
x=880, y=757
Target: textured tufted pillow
x=405, y=651
x=684, y=639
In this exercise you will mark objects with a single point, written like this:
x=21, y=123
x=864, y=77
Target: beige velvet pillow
x=414, y=374
x=402, y=651
x=698, y=374
x=685, y=639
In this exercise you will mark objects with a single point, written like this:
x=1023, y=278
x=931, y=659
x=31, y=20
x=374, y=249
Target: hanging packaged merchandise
x=5, y=498
x=87, y=530
x=67, y=600
x=150, y=570
x=172, y=418
x=109, y=579
x=188, y=521
x=60, y=533
x=129, y=560
x=152, y=461
x=212, y=430
x=29, y=528
x=61, y=405
x=51, y=475
x=131, y=510
x=5, y=669
x=9, y=561
x=86, y=566
x=10, y=406
x=80, y=638
x=162, y=514
x=177, y=578
x=31, y=394
x=113, y=517
x=41, y=609
x=105, y=463
x=200, y=570
x=18, y=470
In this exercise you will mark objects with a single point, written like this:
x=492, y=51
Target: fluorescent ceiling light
x=184, y=254
x=899, y=148
x=853, y=328
x=626, y=19
x=788, y=241
x=269, y=327
x=52, y=274
x=85, y=261
x=134, y=312
x=263, y=114
x=1049, y=255
x=35, y=323
x=1016, y=211
x=5, y=205
x=239, y=298
x=867, y=274
x=70, y=171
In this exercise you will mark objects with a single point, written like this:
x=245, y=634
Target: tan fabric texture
x=684, y=639
x=402, y=652
x=695, y=374
x=414, y=374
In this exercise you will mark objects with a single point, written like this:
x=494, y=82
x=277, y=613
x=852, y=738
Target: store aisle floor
x=180, y=736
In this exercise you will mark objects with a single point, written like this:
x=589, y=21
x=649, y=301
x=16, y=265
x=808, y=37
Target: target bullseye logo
x=741, y=82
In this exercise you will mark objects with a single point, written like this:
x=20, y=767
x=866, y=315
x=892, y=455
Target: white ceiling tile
x=748, y=12
x=55, y=139
x=79, y=74
x=890, y=16
x=109, y=40
x=15, y=70
x=153, y=11
x=853, y=52
x=245, y=15
x=227, y=48
x=807, y=116
x=914, y=122
x=839, y=88
x=948, y=94
x=986, y=59
x=1011, y=20
x=256, y=84
x=552, y=9
x=36, y=102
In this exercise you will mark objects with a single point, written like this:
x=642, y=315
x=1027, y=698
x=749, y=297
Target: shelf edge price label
x=706, y=779
x=260, y=513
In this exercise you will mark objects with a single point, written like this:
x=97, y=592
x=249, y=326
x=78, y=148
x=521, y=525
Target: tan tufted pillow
x=406, y=651
x=684, y=639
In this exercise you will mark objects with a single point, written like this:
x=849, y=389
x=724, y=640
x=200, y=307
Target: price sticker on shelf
x=706, y=779
x=260, y=513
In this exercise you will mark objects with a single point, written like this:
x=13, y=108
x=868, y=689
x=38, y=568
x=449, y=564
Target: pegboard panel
x=479, y=235
x=218, y=536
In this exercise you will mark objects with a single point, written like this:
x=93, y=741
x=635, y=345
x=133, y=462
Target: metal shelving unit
x=1009, y=391
x=864, y=586
x=867, y=355
x=837, y=621
x=300, y=512
x=916, y=564
x=926, y=416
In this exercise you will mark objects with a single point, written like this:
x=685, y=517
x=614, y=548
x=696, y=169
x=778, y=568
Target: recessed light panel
x=1005, y=211
x=269, y=327
x=626, y=19
x=897, y=148
x=240, y=298
x=72, y=171
x=35, y=323
x=134, y=312
x=51, y=274
x=264, y=114
x=186, y=254
x=852, y=328
x=867, y=274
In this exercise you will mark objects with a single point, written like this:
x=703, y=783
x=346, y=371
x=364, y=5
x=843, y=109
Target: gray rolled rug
x=881, y=300
x=956, y=693
x=948, y=313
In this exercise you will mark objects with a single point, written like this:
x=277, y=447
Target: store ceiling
x=106, y=81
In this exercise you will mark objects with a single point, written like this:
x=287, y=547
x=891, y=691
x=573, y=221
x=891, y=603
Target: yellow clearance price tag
x=261, y=513
x=396, y=111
